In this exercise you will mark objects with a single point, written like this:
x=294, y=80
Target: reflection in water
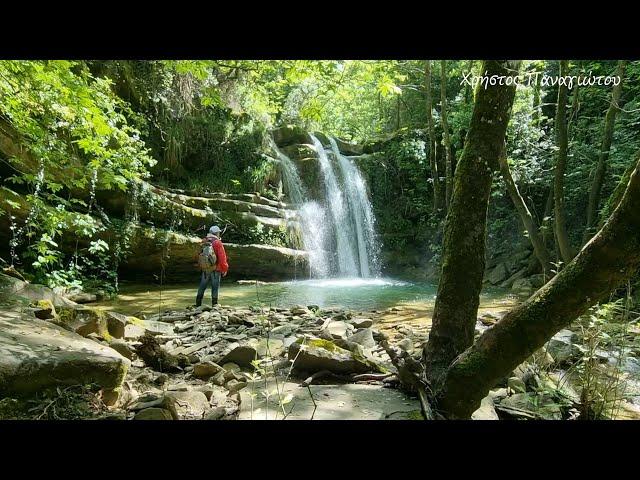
x=351, y=293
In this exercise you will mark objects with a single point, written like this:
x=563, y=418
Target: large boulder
x=189, y=405
x=83, y=321
x=487, y=410
x=289, y=135
x=498, y=274
x=347, y=148
x=563, y=348
x=318, y=354
x=36, y=354
x=242, y=355
x=16, y=291
x=363, y=337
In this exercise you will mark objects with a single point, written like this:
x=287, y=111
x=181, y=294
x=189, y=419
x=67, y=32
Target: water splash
x=311, y=217
x=339, y=232
x=362, y=212
x=341, y=224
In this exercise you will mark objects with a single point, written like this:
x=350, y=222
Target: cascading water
x=345, y=214
x=361, y=209
x=339, y=212
x=311, y=216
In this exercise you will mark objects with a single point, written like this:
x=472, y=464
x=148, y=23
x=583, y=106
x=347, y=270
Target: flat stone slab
x=335, y=402
x=35, y=354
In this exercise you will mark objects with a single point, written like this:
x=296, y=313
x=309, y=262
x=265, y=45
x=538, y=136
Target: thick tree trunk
x=610, y=258
x=527, y=219
x=437, y=193
x=616, y=196
x=607, y=137
x=445, y=134
x=561, y=165
x=463, y=262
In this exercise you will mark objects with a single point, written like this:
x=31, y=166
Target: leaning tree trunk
x=435, y=176
x=607, y=261
x=445, y=134
x=463, y=262
x=607, y=137
x=528, y=220
x=618, y=192
x=561, y=164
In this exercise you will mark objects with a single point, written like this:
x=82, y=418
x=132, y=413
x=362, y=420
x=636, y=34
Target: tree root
x=409, y=375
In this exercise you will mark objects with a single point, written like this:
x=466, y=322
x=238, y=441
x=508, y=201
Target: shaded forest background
x=205, y=126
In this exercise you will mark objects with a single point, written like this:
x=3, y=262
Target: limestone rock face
x=260, y=262
x=289, y=135
x=36, y=354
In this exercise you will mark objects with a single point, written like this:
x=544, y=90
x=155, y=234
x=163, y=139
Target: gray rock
x=562, y=347
x=406, y=344
x=216, y=413
x=363, y=337
x=361, y=322
x=153, y=413
x=284, y=330
x=516, y=384
x=219, y=379
x=206, y=369
x=337, y=329
x=234, y=385
x=299, y=310
x=242, y=355
x=123, y=348
x=83, y=297
x=189, y=405
x=157, y=328
x=498, y=274
x=320, y=355
x=116, y=324
x=35, y=355
x=273, y=348
x=231, y=367
x=631, y=365
x=133, y=332
x=486, y=411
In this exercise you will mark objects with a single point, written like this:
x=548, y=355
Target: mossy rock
x=319, y=354
x=84, y=321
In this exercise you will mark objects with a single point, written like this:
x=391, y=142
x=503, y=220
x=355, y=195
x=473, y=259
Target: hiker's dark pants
x=212, y=278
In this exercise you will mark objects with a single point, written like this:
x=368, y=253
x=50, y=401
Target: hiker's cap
x=214, y=230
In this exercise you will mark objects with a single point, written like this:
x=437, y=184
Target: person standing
x=212, y=261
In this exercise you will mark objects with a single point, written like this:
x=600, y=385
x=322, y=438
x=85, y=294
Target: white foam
x=349, y=282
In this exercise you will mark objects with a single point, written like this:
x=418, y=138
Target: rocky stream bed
x=255, y=363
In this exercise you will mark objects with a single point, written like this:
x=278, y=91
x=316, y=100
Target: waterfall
x=310, y=215
x=362, y=212
x=341, y=226
x=339, y=232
